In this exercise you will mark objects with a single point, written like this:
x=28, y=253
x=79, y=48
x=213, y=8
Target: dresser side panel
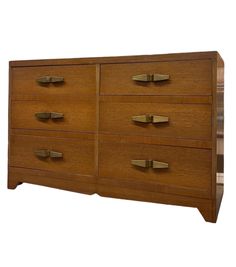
x=217, y=134
x=9, y=127
x=220, y=133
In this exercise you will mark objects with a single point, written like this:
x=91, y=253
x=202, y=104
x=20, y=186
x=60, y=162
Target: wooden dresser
x=146, y=128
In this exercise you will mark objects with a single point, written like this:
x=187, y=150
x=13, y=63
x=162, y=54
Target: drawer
x=73, y=116
x=188, y=171
x=78, y=81
x=192, y=121
x=74, y=155
x=192, y=77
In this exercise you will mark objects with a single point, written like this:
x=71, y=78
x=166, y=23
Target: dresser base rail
x=208, y=208
x=72, y=183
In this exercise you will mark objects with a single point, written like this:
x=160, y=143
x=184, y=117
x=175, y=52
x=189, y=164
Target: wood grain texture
x=97, y=119
x=185, y=121
x=152, y=140
x=54, y=134
x=78, y=115
x=79, y=81
x=78, y=154
x=188, y=168
x=157, y=99
x=66, y=181
x=186, y=78
x=155, y=140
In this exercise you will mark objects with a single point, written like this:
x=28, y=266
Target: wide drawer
x=63, y=155
x=70, y=116
x=191, y=121
x=168, y=169
x=78, y=81
x=192, y=77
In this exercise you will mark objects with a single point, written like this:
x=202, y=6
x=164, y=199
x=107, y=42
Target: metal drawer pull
x=142, y=118
x=49, y=115
x=55, y=154
x=43, y=115
x=149, y=164
x=45, y=153
x=142, y=163
x=151, y=77
x=159, y=165
x=150, y=118
x=42, y=153
x=56, y=115
x=159, y=119
x=160, y=77
x=143, y=78
x=50, y=79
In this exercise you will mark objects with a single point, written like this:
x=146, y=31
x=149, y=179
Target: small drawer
x=189, y=121
x=191, y=77
x=48, y=82
x=167, y=169
x=63, y=155
x=70, y=116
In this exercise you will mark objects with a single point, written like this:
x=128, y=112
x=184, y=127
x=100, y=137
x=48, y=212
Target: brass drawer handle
x=42, y=153
x=45, y=153
x=143, y=78
x=151, y=77
x=159, y=165
x=142, y=118
x=50, y=79
x=142, y=163
x=55, y=154
x=159, y=119
x=49, y=115
x=57, y=115
x=150, y=118
x=149, y=164
x=43, y=115
x=160, y=77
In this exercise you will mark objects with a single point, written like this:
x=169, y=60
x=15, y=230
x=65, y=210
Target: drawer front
x=35, y=152
x=192, y=121
x=71, y=116
x=77, y=81
x=191, y=77
x=188, y=171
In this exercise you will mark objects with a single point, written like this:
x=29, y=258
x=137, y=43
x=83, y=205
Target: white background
x=40, y=226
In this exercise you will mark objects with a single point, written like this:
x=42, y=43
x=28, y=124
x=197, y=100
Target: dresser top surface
x=118, y=59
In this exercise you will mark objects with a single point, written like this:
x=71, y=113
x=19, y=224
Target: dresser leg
x=208, y=213
x=12, y=184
